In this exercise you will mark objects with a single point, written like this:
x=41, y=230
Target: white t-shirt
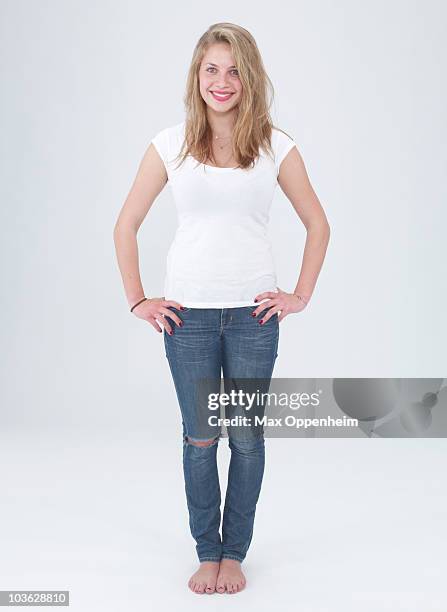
x=221, y=256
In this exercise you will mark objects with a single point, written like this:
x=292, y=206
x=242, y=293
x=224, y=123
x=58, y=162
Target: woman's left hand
x=281, y=301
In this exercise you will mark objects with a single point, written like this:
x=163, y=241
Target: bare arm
x=294, y=182
x=149, y=182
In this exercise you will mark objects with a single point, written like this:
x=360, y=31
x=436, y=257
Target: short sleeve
x=281, y=146
x=161, y=143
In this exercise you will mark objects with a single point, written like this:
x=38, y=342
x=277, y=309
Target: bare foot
x=204, y=580
x=230, y=578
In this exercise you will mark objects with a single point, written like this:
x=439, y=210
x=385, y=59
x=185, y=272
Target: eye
x=234, y=70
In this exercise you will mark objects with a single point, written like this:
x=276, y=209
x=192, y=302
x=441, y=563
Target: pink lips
x=220, y=98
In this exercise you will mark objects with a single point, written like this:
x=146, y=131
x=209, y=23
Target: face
x=218, y=74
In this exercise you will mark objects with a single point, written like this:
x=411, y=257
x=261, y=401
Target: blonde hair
x=253, y=126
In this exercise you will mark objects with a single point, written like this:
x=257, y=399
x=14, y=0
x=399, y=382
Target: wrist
x=133, y=299
x=136, y=303
x=302, y=296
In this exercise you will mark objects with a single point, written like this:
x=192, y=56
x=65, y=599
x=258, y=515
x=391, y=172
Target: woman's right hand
x=154, y=310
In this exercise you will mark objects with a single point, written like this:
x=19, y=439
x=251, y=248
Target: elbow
x=325, y=228
x=320, y=227
x=116, y=231
x=123, y=228
x=326, y=233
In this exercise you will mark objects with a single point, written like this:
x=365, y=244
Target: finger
x=266, y=294
x=269, y=314
x=260, y=309
x=154, y=324
x=172, y=315
x=161, y=319
x=174, y=304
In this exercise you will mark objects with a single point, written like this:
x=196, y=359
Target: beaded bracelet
x=138, y=303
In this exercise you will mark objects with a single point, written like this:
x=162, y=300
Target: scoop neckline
x=216, y=167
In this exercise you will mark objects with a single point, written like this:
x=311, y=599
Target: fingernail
x=170, y=333
x=261, y=322
x=256, y=300
x=182, y=308
x=181, y=323
x=253, y=314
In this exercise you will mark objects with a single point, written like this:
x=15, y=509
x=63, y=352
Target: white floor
x=341, y=524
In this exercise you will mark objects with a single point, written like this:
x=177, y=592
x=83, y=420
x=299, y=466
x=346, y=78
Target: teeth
x=221, y=95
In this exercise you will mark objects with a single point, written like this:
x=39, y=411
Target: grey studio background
x=92, y=490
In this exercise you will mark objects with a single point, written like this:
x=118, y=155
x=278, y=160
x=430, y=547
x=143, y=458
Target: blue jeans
x=212, y=340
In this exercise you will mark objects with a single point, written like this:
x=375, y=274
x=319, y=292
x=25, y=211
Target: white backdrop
x=360, y=87
x=85, y=89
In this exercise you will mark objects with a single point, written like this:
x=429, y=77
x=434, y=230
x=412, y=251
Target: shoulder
x=280, y=137
x=282, y=143
x=170, y=132
x=168, y=138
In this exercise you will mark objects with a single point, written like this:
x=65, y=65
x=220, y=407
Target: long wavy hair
x=253, y=126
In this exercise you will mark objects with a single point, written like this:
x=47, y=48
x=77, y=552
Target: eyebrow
x=216, y=66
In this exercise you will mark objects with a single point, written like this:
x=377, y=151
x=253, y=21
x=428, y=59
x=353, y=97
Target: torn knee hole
x=201, y=442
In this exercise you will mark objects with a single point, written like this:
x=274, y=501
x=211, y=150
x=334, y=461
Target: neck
x=221, y=124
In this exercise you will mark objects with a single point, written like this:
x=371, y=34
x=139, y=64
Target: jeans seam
x=233, y=557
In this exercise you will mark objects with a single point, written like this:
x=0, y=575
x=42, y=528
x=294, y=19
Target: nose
x=222, y=85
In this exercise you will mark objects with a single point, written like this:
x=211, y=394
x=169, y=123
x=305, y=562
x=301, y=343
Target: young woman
x=221, y=309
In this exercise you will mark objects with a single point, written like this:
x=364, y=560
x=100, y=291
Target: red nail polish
x=170, y=333
x=261, y=322
x=181, y=323
x=253, y=314
x=255, y=300
x=182, y=308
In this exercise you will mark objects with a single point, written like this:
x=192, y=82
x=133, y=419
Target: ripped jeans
x=212, y=340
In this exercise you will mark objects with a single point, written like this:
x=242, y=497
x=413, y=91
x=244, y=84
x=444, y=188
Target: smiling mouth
x=221, y=97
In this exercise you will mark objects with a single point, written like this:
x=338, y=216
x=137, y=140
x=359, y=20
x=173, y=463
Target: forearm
x=126, y=247
x=314, y=253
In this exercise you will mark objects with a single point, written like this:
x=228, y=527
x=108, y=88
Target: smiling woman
x=222, y=306
x=227, y=91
